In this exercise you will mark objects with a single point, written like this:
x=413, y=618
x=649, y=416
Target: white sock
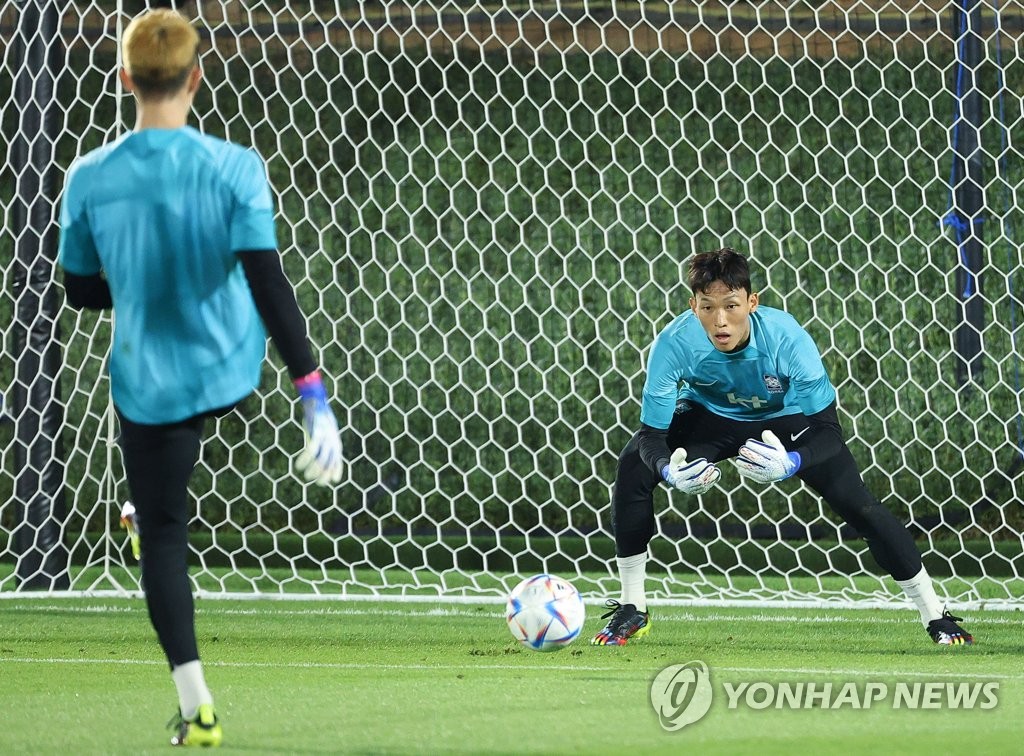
x=192, y=691
x=921, y=591
x=633, y=574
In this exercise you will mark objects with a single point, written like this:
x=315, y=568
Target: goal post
x=36, y=509
x=485, y=209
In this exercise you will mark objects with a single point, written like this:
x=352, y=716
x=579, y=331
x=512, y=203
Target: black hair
x=725, y=265
x=150, y=85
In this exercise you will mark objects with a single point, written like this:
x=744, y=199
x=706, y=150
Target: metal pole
x=39, y=417
x=968, y=190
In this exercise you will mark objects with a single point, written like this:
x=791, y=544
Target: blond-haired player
x=175, y=231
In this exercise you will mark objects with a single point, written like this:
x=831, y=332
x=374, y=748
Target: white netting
x=484, y=208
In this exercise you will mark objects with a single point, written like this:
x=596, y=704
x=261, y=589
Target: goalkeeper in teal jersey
x=730, y=379
x=175, y=231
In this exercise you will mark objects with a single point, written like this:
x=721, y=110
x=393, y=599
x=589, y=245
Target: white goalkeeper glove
x=694, y=478
x=766, y=461
x=320, y=461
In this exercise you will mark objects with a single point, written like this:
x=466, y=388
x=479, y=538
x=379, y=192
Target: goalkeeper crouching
x=175, y=231
x=731, y=379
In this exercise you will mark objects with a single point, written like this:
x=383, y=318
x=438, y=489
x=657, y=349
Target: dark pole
x=37, y=411
x=968, y=190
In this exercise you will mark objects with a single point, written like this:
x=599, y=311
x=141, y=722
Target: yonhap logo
x=681, y=694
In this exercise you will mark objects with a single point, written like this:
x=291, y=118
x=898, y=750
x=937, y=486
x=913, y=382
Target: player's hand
x=693, y=478
x=320, y=461
x=766, y=461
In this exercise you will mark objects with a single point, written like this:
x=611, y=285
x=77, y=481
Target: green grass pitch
x=86, y=676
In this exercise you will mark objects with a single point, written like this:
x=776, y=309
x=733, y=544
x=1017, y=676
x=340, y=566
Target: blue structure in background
x=967, y=183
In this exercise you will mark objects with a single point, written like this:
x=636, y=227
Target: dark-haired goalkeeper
x=175, y=230
x=727, y=379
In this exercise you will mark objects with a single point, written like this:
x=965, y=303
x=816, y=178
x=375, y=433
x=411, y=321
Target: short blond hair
x=159, y=50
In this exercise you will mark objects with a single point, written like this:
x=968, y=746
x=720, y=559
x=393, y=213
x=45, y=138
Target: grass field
x=86, y=676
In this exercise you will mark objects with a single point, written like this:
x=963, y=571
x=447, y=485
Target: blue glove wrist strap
x=311, y=387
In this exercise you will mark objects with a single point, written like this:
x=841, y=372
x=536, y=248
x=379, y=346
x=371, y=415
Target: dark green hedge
x=485, y=247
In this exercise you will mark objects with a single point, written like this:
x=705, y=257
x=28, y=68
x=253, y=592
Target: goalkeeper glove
x=693, y=478
x=320, y=460
x=766, y=461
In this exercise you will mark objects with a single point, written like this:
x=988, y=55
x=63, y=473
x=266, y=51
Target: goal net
x=485, y=209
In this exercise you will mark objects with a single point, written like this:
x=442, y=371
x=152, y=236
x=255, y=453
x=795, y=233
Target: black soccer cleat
x=946, y=632
x=626, y=622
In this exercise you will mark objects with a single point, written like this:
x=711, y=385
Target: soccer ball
x=545, y=613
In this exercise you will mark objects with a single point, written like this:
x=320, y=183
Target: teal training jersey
x=161, y=213
x=778, y=373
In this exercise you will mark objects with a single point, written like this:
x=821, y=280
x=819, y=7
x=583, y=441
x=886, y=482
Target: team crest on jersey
x=773, y=384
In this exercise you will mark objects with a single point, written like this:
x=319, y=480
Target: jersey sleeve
x=661, y=387
x=76, y=250
x=275, y=302
x=252, y=218
x=808, y=378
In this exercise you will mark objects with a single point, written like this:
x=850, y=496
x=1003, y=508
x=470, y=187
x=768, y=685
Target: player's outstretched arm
x=694, y=477
x=320, y=460
x=766, y=461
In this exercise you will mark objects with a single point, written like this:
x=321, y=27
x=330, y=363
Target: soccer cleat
x=130, y=523
x=202, y=730
x=946, y=632
x=626, y=622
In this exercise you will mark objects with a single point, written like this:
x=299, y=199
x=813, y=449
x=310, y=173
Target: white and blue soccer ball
x=545, y=613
